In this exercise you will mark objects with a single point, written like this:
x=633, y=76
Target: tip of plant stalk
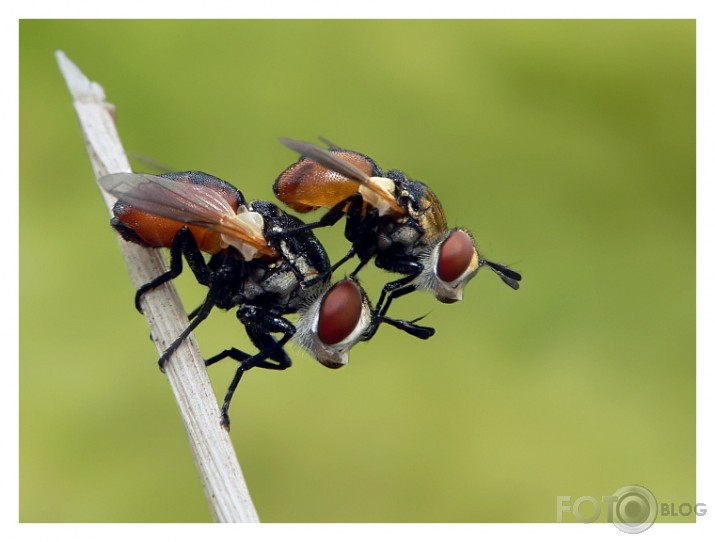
x=80, y=86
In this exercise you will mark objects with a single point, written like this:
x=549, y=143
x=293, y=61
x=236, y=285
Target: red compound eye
x=455, y=256
x=339, y=312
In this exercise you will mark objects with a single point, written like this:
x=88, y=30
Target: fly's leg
x=184, y=245
x=330, y=218
x=201, y=314
x=259, y=323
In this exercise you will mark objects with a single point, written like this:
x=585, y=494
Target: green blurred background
x=567, y=147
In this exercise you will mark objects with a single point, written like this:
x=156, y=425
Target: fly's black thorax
x=423, y=221
x=302, y=257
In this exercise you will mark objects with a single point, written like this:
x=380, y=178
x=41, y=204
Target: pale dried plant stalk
x=220, y=473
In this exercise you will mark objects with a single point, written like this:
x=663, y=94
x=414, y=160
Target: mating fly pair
x=253, y=266
x=270, y=264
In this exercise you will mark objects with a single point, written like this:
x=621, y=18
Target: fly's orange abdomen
x=307, y=185
x=155, y=231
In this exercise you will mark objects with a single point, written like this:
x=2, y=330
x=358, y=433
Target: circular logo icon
x=635, y=509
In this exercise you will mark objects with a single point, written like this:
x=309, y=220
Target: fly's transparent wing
x=334, y=163
x=186, y=202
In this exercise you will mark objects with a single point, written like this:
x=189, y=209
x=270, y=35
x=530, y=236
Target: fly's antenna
x=510, y=277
